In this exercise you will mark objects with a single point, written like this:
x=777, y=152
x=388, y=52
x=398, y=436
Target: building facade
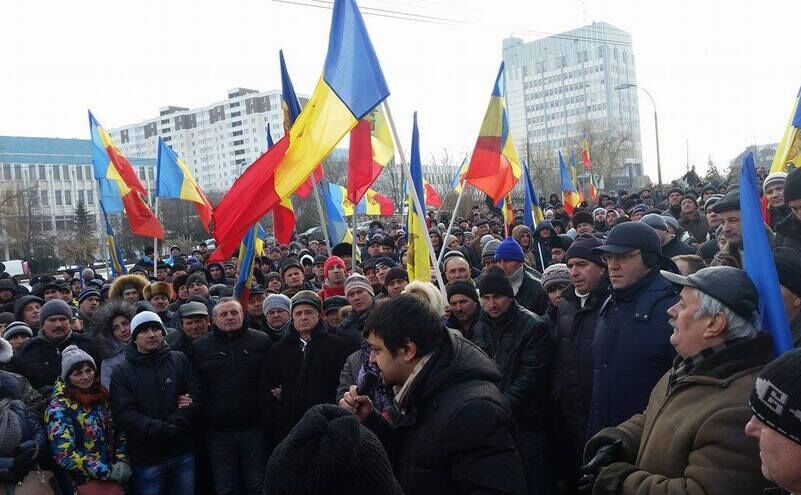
x=217, y=141
x=560, y=86
x=46, y=178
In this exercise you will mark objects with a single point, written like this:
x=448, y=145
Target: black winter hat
x=462, y=287
x=628, y=237
x=334, y=302
x=197, y=277
x=23, y=301
x=582, y=216
x=495, y=281
x=731, y=201
x=395, y=273
x=329, y=451
x=289, y=263
x=788, y=267
x=582, y=248
x=776, y=398
x=792, y=186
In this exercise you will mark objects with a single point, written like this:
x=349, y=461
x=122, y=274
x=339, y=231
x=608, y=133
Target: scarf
x=517, y=278
x=380, y=394
x=10, y=426
x=87, y=398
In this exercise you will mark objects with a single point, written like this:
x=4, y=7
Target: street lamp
x=656, y=124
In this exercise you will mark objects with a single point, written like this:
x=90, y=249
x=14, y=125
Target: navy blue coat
x=631, y=350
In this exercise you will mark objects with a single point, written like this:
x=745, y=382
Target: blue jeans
x=175, y=476
x=237, y=460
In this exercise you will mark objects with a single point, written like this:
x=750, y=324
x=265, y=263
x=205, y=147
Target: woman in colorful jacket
x=82, y=436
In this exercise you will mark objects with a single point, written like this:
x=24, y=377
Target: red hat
x=332, y=261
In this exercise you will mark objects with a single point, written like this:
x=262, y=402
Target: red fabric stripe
x=485, y=159
x=432, y=196
x=306, y=188
x=386, y=205
x=125, y=170
x=143, y=222
x=284, y=223
x=362, y=169
x=251, y=196
x=499, y=181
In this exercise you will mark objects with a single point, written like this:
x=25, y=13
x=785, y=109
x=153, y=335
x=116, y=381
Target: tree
x=79, y=245
x=712, y=172
x=609, y=147
x=21, y=219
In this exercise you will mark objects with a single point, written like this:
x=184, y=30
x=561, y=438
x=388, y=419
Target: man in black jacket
x=304, y=366
x=519, y=343
x=465, y=310
x=571, y=380
x=155, y=401
x=450, y=430
x=361, y=298
x=528, y=291
x=193, y=323
x=229, y=361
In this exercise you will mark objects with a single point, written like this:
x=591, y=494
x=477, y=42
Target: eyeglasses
x=619, y=258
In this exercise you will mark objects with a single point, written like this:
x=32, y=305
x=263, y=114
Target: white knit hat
x=71, y=356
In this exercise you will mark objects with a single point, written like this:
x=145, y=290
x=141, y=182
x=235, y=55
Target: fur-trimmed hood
x=6, y=351
x=429, y=293
x=118, y=287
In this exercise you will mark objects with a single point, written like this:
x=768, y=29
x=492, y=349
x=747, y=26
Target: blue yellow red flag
x=788, y=153
x=251, y=248
x=115, y=260
x=370, y=150
x=458, y=179
x=570, y=196
x=335, y=213
x=372, y=203
x=532, y=212
x=758, y=260
x=418, y=262
x=175, y=180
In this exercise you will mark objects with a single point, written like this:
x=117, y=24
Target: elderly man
x=690, y=438
x=776, y=402
x=193, y=323
x=731, y=244
x=788, y=231
x=528, y=290
x=455, y=267
x=675, y=196
x=630, y=350
x=466, y=312
x=773, y=187
x=671, y=244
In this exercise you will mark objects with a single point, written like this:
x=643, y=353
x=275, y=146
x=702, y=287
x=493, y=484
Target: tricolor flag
x=284, y=212
x=458, y=180
x=532, y=213
x=418, y=260
x=788, y=154
x=120, y=188
x=494, y=167
x=291, y=109
x=508, y=212
x=372, y=203
x=252, y=247
x=335, y=214
x=570, y=196
x=592, y=191
x=433, y=198
x=352, y=85
x=370, y=150
x=115, y=259
x=174, y=180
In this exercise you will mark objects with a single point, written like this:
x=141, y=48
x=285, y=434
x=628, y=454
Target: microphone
x=370, y=381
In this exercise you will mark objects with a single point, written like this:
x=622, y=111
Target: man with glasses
x=631, y=348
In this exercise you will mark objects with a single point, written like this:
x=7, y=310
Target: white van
x=16, y=267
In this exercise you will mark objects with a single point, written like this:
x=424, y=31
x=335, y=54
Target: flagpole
x=155, y=240
x=416, y=201
x=322, y=216
x=450, y=225
x=353, y=241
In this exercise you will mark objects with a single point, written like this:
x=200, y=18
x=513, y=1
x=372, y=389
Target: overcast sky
x=724, y=73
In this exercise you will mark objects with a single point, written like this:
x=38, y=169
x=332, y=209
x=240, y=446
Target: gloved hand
x=120, y=472
x=23, y=464
x=604, y=456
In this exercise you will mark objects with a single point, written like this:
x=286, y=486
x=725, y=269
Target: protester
x=112, y=324
x=334, y=284
x=276, y=315
x=27, y=309
x=128, y=287
x=555, y=280
x=788, y=230
x=465, y=311
x=361, y=299
x=17, y=334
x=528, y=292
x=23, y=438
x=671, y=244
x=193, y=323
x=331, y=307
x=773, y=188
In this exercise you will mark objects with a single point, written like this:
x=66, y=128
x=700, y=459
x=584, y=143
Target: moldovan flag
x=252, y=247
x=174, y=180
x=372, y=203
x=432, y=196
x=788, y=154
x=418, y=260
x=119, y=187
x=371, y=149
x=569, y=194
x=494, y=167
x=532, y=213
x=335, y=213
x=284, y=212
x=351, y=86
x=291, y=109
x=115, y=258
x=458, y=180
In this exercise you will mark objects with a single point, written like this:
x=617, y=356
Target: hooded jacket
x=530, y=257
x=456, y=432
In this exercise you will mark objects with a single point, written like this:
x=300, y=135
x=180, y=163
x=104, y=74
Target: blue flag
x=758, y=260
x=532, y=213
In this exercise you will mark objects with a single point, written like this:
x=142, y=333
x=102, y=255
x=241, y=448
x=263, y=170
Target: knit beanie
x=19, y=305
x=496, y=282
x=773, y=179
x=197, y=277
x=360, y=281
x=776, y=398
x=55, y=307
x=792, y=186
x=275, y=301
x=329, y=451
x=788, y=267
x=489, y=249
x=485, y=239
x=6, y=317
x=582, y=248
x=555, y=274
x=333, y=261
x=146, y=319
x=656, y=222
x=17, y=328
x=86, y=293
x=509, y=249
x=71, y=356
x=462, y=287
x=396, y=273
x=596, y=211
x=307, y=297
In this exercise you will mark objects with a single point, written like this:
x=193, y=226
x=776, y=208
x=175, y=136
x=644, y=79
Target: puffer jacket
x=144, y=400
x=83, y=439
x=631, y=349
x=456, y=432
x=519, y=344
x=32, y=435
x=530, y=294
x=39, y=360
x=113, y=359
x=788, y=233
x=691, y=438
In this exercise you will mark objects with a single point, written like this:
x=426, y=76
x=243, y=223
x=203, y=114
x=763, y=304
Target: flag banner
x=174, y=180
x=115, y=260
x=532, y=213
x=370, y=150
x=372, y=203
x=351, y=86
x=788, y=153
x=252, y=247
x=433, y=198
x=508, y=212
x=458, y=180
x=335, y=214
x=494, y=167
x=418, y=261
x=758, y=260
x=118, y=185
x=585, y=155
x=570, y=196
x=284, y=212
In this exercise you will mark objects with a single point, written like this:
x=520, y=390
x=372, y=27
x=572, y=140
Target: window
x=6, y=171
x=90, y=197
x=17, y=171
x=44, y=198
x=65, y=172
x=59, y=200
x=42, y=172
x=87, y=172
x=68, y=198
x=79, y=173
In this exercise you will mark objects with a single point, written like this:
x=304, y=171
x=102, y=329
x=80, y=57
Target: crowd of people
x=611, y=350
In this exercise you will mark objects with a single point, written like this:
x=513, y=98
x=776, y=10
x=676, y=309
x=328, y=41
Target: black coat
x=39, y=360
x=457, y=433
x=788, y=233
x=476, y=327
x=306, y=377
x=676, y=247
x=144, y=401
x=179, y=341
x=531, y=295
x=520, y=345
x=631, y=350
x=351, y=328
x=229, y=366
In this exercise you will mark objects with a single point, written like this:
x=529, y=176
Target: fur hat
x=157, y=289
x=428, y=293
x=125, y=282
